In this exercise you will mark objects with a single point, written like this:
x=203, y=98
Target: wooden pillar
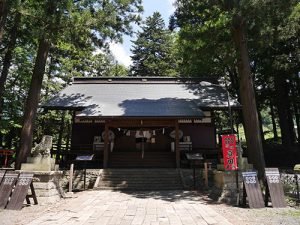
x=177, y=151
x=105, y=152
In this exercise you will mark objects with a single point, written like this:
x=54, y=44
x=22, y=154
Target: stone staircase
x=135, y=160
x=140, y=179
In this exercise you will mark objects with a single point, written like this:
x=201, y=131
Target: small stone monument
x=41, y=159
x=46, y=174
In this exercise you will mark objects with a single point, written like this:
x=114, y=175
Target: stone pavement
x=148, y=208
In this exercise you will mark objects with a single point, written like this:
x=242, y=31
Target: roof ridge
x=162, y=80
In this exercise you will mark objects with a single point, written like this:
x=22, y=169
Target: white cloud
x=171, y=5
x=120, y=54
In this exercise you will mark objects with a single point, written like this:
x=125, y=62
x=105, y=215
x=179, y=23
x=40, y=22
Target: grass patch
x=291, y=213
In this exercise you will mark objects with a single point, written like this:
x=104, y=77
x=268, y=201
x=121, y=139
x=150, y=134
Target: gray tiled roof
x=136, y=98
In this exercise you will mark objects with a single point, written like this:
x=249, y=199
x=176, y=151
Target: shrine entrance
x=140, y=143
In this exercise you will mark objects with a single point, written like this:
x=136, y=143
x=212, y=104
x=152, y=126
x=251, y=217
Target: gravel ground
x=235, y=215
x=266, y=216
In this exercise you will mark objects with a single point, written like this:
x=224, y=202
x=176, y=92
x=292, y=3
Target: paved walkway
x=148, y=208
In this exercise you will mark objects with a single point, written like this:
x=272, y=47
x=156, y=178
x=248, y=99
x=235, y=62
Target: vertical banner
x=229, y=152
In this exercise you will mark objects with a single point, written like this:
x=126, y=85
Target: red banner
x=229, y=152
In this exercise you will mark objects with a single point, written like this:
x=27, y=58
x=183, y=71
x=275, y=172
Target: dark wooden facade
x=126, y=152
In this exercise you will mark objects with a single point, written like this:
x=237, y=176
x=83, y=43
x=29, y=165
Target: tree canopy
x=245, y=41
x=153, y=50
x=66, y=36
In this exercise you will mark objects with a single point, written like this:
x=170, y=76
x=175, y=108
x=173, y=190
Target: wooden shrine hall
x=141, y=121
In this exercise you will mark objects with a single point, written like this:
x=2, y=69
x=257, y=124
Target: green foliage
x=204, y=41
x=206, y=47
x=153, y=51
x=79, y=33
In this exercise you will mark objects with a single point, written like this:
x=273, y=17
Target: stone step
x=131, y=188
x=140, y=179
x=141, y=171
x=144, y=180
x=140, y=174
x=135, y=160
x=141, y=185
x=138, y=184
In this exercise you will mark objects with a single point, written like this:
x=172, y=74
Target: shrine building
x=142, y=122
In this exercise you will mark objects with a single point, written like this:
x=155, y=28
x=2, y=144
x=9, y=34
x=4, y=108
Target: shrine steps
x=135, y=160
x=140, y=179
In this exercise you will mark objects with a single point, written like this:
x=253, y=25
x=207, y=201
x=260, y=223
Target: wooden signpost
x=85, y=159
x=252, y=190
x=20, y=192
x=6, y=187
x=274, y=188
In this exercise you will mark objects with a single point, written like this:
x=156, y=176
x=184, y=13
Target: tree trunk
x=8, y=56
x=3, y=15
x=32, y=102
x=252, y=128
x=273, y=122
x=283, y=108
x=261, y=126
x=233, y=75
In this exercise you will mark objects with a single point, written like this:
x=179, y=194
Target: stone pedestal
x=226, y=181
x=39, y=163
x=47, y=186
x=46, y=178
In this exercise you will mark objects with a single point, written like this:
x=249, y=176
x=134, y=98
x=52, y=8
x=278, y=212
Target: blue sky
x=122, y=51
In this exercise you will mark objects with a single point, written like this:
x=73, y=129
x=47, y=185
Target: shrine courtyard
x=162, y=207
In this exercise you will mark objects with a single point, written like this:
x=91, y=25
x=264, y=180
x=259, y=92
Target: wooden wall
x=83, y=133
x=202, y=136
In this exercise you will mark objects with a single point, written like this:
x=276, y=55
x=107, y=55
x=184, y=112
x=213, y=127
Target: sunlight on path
x=148, y=208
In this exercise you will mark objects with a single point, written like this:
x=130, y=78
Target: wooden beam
x=141, y=123
x=177, y=151
x=105, y=153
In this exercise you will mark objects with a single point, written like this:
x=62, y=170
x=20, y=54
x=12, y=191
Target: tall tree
x=209, y=16
x=92, y=21
x=250, y=115
x=153, y=50
x=275, y=52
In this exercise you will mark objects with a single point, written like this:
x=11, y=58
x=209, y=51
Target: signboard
x=274, y=188
x=20, y=192
x=84, y=157
x=229, y=152
x=7, y=186
x=252, y=190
